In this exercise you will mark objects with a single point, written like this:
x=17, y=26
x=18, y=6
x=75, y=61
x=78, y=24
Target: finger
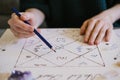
x=95, y=32
x=12, y=19
x=21, y=31
x=89, y=29
x=14, y=15
x=21, y=34
x=83, y=28
x=101, y=34
x=19, y=23
x=17, y=29
x=23, y=25
x=15, y=26
x=25, y=35
x=27, y=16
x=109, y=32
x=24, y=17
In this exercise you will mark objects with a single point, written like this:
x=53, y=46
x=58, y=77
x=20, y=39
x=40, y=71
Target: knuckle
x=103, y=31
x=92, y=20
x=86, y=21
x=101, y=22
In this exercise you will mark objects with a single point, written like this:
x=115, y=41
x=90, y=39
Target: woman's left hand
x=97, y=28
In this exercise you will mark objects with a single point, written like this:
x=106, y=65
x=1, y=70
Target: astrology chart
x=73, y=59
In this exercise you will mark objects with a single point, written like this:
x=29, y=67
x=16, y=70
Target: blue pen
x=35, y=31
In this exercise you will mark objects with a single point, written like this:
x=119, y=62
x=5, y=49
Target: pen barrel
x=26, y=22
x=42, y=38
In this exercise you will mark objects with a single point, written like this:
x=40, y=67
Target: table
x=78, y=62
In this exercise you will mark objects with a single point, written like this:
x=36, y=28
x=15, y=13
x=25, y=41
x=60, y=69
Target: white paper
x=73, y=60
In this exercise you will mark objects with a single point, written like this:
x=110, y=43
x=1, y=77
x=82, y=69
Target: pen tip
x=53, y=49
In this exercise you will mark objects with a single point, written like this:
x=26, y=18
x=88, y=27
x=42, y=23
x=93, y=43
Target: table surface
x=51, y=64
x=3, y=30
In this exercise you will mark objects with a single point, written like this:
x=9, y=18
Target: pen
x=35, y=31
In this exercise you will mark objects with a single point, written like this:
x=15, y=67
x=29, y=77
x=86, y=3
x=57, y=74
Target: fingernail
x=91, y=43
x=96, y=43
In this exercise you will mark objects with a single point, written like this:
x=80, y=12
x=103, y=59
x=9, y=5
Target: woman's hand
x=100, y=27
x=96, y=29
x=21, y=29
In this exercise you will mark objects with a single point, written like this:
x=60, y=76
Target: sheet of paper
x=73, y=60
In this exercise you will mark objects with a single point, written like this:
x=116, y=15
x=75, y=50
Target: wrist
x=113, y=13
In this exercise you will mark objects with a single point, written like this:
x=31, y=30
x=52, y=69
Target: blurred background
x=5, y=11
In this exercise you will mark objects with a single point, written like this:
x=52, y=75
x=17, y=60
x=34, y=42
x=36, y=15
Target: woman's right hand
x=19, y=28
